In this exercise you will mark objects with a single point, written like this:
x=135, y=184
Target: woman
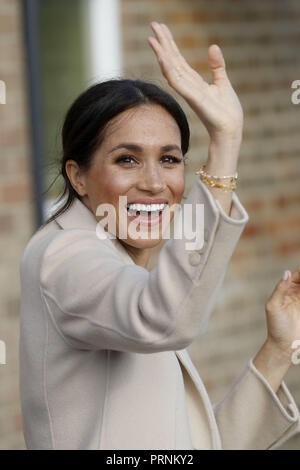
x=103, y=363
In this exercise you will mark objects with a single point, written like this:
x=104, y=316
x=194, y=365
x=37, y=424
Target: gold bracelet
x=203, y=172
x=213, y=183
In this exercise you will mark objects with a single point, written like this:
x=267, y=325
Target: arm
x=97, y=302
x=283, y=323
x=222, y=160
x=216, y=104
x=259, y=412
x=272, y=364
x=252, y=416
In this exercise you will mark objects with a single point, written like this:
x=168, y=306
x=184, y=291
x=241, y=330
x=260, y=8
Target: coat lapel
x=80, y=217
x=185, y=360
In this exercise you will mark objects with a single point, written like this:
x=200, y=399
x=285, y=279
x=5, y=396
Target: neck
x=140, y=256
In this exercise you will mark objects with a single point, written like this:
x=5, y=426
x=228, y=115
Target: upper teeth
x=146, y=207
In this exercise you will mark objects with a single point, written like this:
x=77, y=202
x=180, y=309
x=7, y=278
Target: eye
x=128, y=160
x=125, y=159
x=171, y=159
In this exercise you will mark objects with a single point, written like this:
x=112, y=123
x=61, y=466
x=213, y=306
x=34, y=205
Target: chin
x=142, y=243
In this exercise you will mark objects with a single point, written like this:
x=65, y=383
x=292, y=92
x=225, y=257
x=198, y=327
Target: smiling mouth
x=146, y=217
x=144, y=213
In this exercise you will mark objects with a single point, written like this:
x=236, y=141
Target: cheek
x=107, y=185
x=176, y=184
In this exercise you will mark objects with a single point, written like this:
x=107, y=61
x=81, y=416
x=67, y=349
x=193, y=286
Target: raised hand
x=281, y=348
x=216, y=104
x=283, y=313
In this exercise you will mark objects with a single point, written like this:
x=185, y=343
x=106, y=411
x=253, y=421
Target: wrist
x=227, y=139
x=272, y=363
x=282, y=355
x=223, y=156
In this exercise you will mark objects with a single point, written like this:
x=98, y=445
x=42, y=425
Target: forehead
x=144, y=123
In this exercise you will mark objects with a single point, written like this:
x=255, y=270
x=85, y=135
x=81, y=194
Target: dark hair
x=86, y=120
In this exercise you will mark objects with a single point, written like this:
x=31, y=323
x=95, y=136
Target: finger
x=177, y=65
x=165, y=38
x=155, y=46
x=172, y=43
x=159, y=34
x=167, y=31
x=173, y=65
x=217, y=64
x=287, y=275
x=164, y=64
x=283, y=286
x=278, y=291
x=169, y=64
x=284, y=282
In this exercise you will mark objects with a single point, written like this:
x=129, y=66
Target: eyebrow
x=138, y=148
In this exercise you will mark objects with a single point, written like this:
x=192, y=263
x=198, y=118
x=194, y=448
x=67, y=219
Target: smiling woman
x=148, y=172
x=103, y=359
x=120, y=146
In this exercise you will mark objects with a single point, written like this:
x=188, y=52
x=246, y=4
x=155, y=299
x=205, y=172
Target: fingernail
x=285, y=275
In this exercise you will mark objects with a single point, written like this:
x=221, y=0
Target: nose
x=151, y=180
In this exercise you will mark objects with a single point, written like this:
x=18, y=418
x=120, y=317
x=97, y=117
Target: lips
x=149, y=201
x=146, y=217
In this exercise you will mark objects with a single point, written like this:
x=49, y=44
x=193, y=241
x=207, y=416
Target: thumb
x=280, y=287
x=287, y=275
x=217, y=64
x=284, y=281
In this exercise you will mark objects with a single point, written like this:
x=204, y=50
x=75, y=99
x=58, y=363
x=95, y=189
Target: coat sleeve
x=97, y=301
x=252, y=416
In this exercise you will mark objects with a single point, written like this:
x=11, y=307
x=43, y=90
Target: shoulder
x=51, y=242
x=67, y=243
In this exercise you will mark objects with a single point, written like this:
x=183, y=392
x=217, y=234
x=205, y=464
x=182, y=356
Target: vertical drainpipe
x=104, y=51
x=103, y=21
x=32, y=40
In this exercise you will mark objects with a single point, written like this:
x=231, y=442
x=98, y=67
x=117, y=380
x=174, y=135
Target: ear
x=76, y=177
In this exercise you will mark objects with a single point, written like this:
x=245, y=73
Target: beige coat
x=103, y=363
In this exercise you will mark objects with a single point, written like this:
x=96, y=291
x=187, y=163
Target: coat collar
x=78, y=216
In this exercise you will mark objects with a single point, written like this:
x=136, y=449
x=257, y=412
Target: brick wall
x=260, y=41
x=16, y=213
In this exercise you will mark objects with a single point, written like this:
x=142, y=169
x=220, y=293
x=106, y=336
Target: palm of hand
x=283, y=312
x=216, y=104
